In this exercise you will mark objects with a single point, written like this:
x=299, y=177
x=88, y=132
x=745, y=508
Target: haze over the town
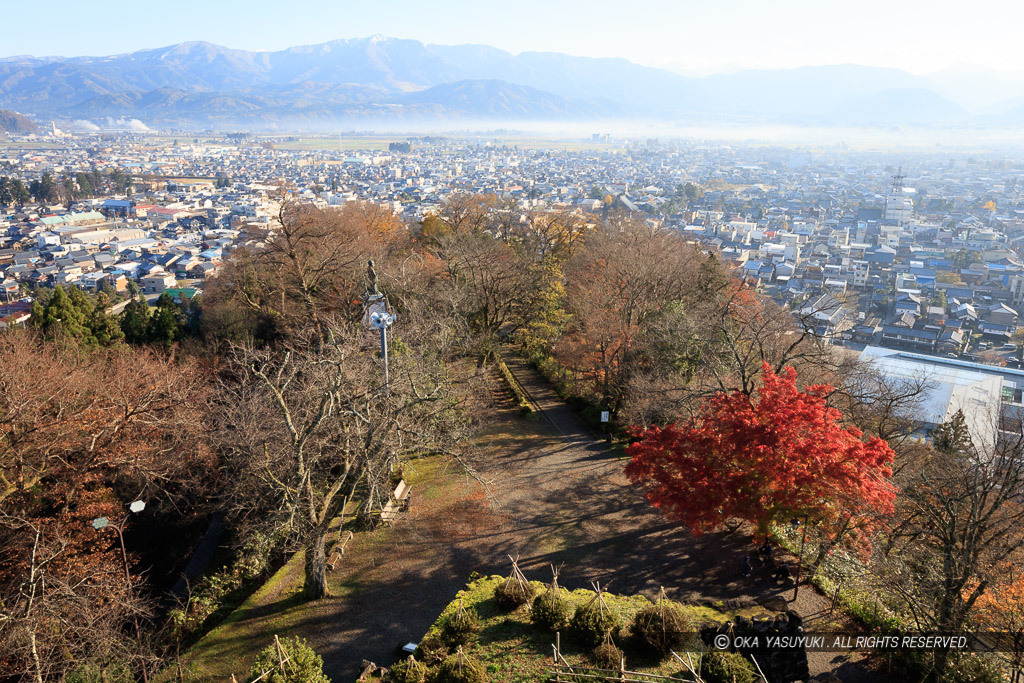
x=694, y=38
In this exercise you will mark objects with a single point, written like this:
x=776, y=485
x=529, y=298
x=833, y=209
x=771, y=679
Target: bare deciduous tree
x=80, y=430
x=959, y=522
x=65, y=614
x=306, y=426
x=487, y=282
x=307, y=262
x=624, y=282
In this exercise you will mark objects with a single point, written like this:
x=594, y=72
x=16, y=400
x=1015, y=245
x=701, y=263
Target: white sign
x=605, y=416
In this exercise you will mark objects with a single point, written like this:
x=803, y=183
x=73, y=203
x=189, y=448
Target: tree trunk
x=823, y=549
x=316, y=569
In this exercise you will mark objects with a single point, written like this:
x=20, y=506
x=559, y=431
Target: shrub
x=726, y=667
x=511, y=594
x=973, y=668
x=591, y=622
x=459, y=627
x=550, y=613
x=661, y=627
x=607, y=656
x=460, y=668
x=407, y=671
x=961, y=667
x=216, y=590
x=303, y=664
x=431, y=651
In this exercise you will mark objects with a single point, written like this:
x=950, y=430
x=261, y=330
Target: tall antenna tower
x=897, y=181
x=896, y=196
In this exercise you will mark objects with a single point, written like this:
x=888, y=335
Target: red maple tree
x=773, y=456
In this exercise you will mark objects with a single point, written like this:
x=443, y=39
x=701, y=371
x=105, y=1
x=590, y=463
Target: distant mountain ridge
x=200, y=83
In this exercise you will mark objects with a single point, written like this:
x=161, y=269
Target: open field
x=339, y=143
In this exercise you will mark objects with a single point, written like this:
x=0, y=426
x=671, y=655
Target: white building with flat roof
x=979, y=391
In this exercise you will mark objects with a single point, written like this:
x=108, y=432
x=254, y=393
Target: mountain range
x=200, y=84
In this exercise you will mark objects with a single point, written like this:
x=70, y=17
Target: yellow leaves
x=434, y=227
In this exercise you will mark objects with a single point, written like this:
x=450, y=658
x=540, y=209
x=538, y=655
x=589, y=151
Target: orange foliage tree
x=1001, y=610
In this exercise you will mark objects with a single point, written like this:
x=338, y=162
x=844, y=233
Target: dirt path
x=555, y=495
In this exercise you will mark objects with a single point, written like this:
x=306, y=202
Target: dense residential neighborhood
x=921, y=256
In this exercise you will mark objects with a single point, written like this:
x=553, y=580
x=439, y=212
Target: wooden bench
x=399, y=502
x=401, y=495
x=338, y=550
x=390, y=511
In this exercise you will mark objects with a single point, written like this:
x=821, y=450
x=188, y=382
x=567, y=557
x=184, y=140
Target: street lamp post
x=101, y=523
x=379, y=318
x=382, y=320
x=800, y=559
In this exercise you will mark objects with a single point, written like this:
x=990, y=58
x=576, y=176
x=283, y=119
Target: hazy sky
x=689, y=35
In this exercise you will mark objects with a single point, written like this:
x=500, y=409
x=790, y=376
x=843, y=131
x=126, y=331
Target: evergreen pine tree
x=65, y=314
x=952, y=436
x=166, y=324
x=104, y=330
x=135, y=322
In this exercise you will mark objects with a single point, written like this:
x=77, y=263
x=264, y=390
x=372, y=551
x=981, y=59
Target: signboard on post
x=605, y=415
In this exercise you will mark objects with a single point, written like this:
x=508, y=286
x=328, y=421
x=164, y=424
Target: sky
x=696, y=37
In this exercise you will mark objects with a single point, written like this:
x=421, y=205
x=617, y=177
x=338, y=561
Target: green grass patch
x=229, y=648
x=512, y=649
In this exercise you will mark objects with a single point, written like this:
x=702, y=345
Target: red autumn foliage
x=779, y=454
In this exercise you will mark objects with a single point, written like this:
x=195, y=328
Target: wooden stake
x=763, y=677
